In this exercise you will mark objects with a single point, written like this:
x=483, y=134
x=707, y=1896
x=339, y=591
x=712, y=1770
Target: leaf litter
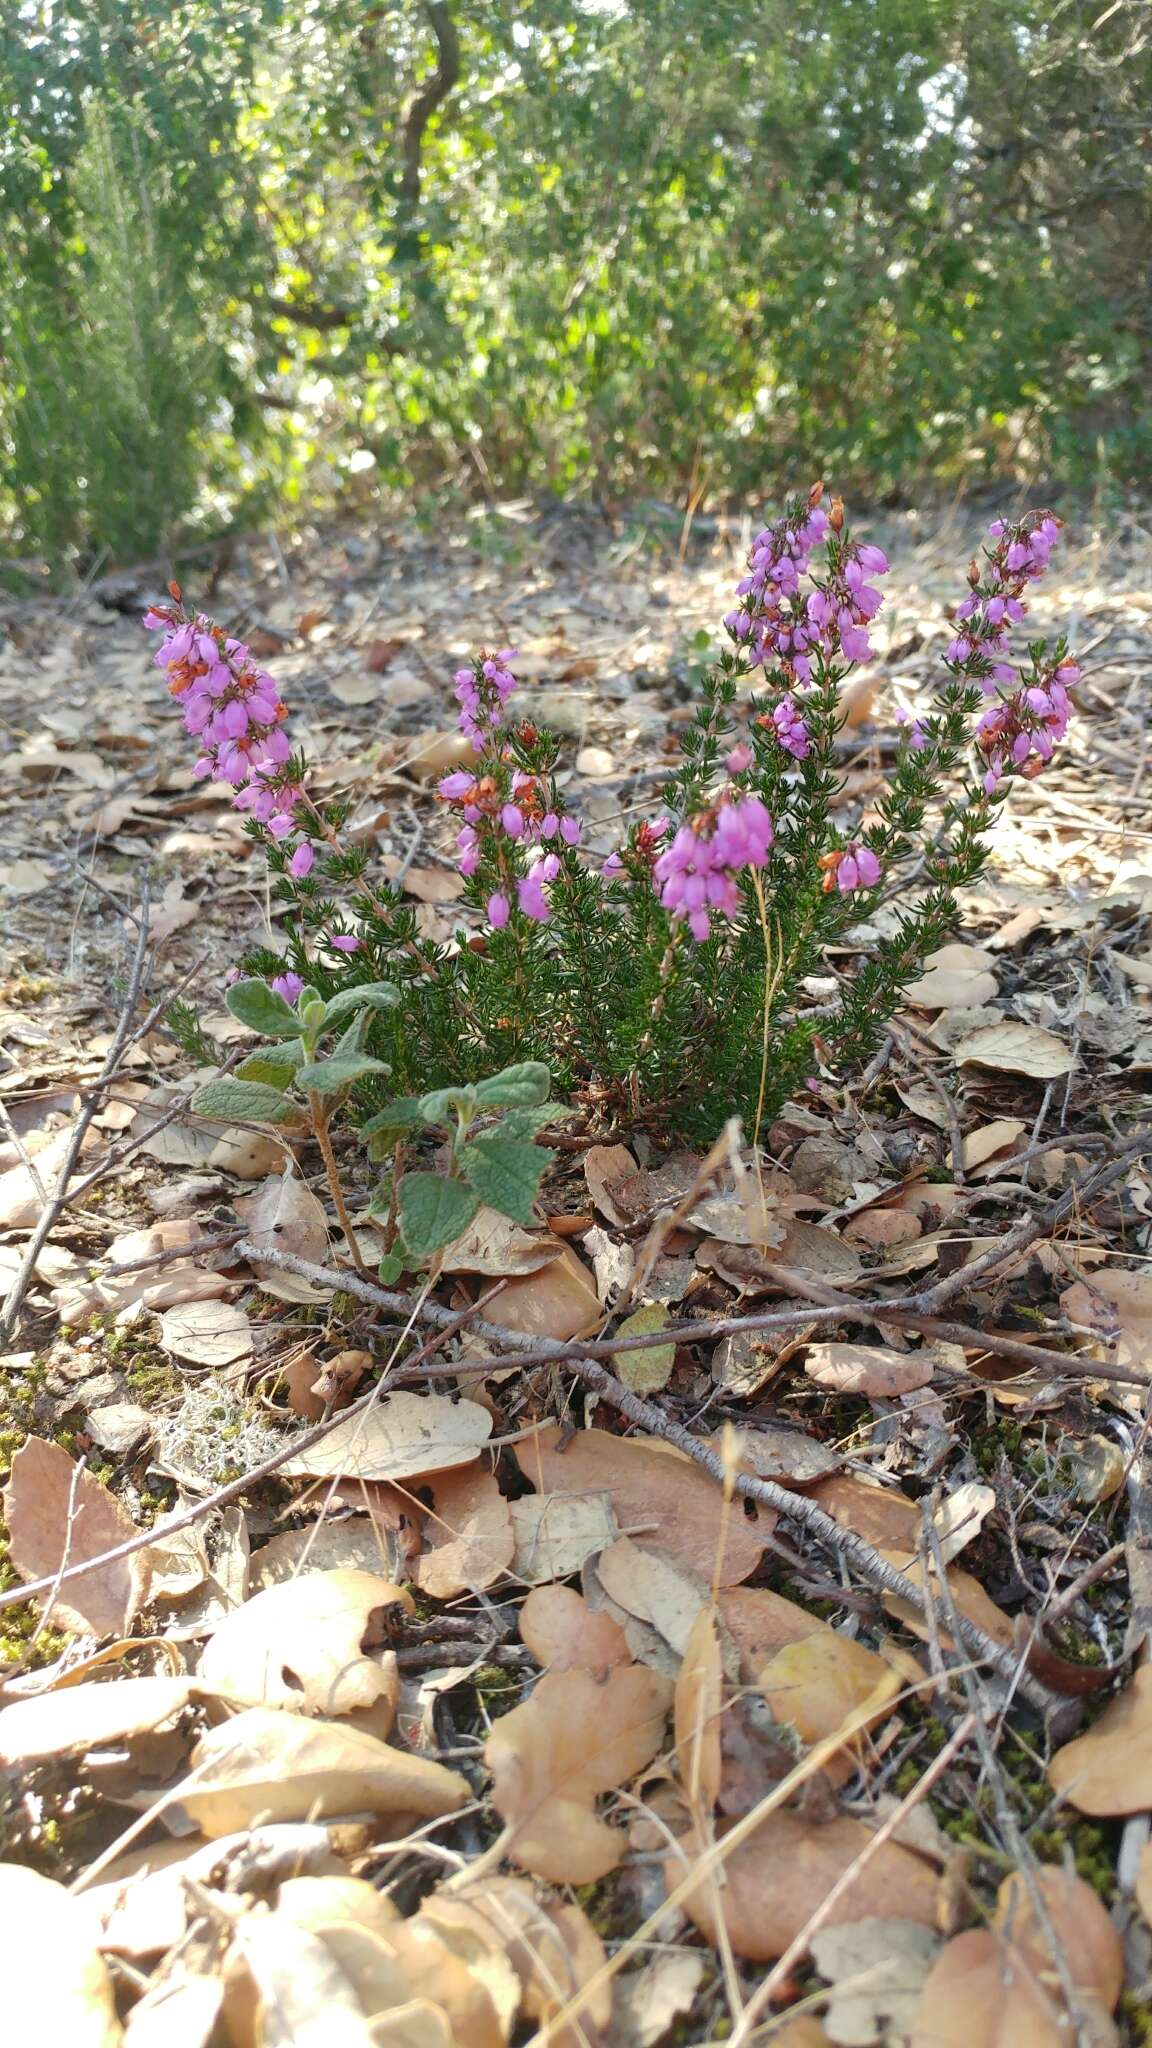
x=492, y=1636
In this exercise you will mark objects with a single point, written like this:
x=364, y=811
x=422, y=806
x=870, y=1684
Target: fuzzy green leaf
x=524, y=1123
x=433, y=1211
x=505, y=1173
x=263, y=1010
x=375, y=995
x=398, y=1117
x=329, y=1077
x=392, y=1265
x=270, y=1073
x=252, y=1102
x=442, y=1105
x=519, y=1087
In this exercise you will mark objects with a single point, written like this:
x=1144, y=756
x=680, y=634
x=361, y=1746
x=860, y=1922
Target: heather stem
x=320, y=1120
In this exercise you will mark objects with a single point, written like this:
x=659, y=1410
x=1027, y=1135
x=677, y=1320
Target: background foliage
x=254, y=250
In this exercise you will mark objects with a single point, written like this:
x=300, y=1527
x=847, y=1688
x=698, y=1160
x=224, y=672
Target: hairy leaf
x=433, y=1211
x=505, y=1173
x=254, y=1102
x=263, y=1009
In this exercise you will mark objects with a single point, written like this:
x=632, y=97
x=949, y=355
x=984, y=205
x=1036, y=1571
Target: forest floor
x=833, y=1815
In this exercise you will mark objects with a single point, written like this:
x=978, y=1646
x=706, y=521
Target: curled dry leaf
x=1015, y=1048
x=215, y=1333
x=268, y=1766
x=144, y=1899
x=564, y=1634
x=402, y=1436
x=303, y=1645
x=868, y=1369
x=961, y=1516
x=88, y=1716
x=56, y=1981
x=1109, y=1770
x=999, y=1987
x=553, y=1948
x=618, y=1186
x=58, y=1514
x=652, y=1588
x=578, y=1736
x=285, y=1989
x=468, y=1536
x=494, y=1245
x=656, y=1489
x=881, y=1230
x=781, y=1875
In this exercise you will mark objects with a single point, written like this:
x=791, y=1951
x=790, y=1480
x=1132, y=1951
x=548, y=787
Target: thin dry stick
x=10, y=1314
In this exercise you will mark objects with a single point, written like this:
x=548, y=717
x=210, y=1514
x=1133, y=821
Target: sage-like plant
x=664, y=982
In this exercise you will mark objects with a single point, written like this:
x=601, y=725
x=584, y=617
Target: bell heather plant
x=661, y=982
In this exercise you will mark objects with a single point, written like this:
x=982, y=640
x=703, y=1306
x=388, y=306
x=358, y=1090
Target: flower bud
x=175, y=591
x=836, y=515
x=815, y=495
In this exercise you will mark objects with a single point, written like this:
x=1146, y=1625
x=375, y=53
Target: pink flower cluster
x=778, y=625
x=788, y=727
x=529, y=894
x=236, y=713
x=482, y=692
x=1022, y=730
x=850, y=867
x=995, y=601
x=696, y=874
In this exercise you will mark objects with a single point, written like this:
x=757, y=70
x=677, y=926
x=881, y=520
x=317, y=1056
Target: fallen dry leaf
x=1015, y=1048
x=816, y=1683
x=878, y=1513
x=304, y=1645
x=269, y=1766
x=1109, y=1770
x=882, y=1229
x=556, y=1532
x=215, y=1333
x=494, y=1245
x=401, y=1437
x=999, y=1987
x=553, y=1948
x=577, y=1736
x=877, y=1968
x=564, y=1634
x=653, y=1588
x=612, y=1174
x=678, y=1507
x=21, y=1200
x=968, y=1596
x=1118, y=1304
x=650, y=2001
x=559, y=1301
x=193, y=1141
x=868, y=1369
x=57, y=1515
x=91, y=1715
x=961, y=1516
x=468, y=1536
x=285, y=1216
x=991, y=1139
x=776, y=1880
x=772, y=1450
x=57, y=1984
